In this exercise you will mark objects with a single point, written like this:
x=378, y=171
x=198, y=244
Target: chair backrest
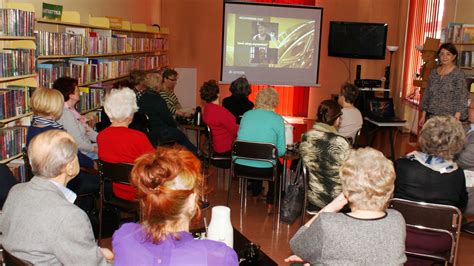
x=254, y=151
x=431, y=217
x=26, y=160
x=10, y=260
x=115, y=172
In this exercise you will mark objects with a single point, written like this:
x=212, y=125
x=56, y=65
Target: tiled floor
x=254, y=222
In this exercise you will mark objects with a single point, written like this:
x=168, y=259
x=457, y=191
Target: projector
x=368, y=83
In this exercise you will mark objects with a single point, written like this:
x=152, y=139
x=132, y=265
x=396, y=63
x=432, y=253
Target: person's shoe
x=270, y=208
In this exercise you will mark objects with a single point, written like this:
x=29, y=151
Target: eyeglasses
x=175, y=79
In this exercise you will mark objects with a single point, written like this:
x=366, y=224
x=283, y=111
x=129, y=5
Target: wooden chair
x=116, y=173
x=263, y=152
x=10, y=260
x=434, y=218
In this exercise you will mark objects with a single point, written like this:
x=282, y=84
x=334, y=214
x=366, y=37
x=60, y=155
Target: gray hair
x=50, y=152
x=267, y=98
x=120, y=104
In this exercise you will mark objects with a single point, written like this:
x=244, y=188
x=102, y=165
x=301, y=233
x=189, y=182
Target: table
x=391, y=126
x=240, y=242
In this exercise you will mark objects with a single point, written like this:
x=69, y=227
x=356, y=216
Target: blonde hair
x=120, y=104
x=442, y=136
x=153, y=80
x=47, y=102
x=267, y=98
x=50, y=152
x=367, y=179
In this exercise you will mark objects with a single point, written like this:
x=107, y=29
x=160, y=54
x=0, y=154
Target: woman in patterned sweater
x=323, y=150
x=447, y=92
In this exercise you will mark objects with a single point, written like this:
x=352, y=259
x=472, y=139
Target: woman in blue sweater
x=262, y=124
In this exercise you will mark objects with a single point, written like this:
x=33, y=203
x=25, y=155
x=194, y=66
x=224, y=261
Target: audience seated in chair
x=168, y=82
x=465, y=160
x=168, y=186
x=73, y=122
x=323, y=151
x=221, y=122
x=7, y=181
x=238, y=103
x=262, y=124
x=163, y=127
x=369, y=234
x=40, y=222
x=430, y=174
x=351, y=119
x=47, y=106
x=118, y=143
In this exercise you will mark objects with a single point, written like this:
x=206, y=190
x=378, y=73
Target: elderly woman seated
x=47, y=106
x=430, y=174
x=168, y=185
x=369, y=234
x=220, y=120
x=238, y=103
x=262, y=124
x=74, y=123
x=118, y=143
x=40, y=222
x=323, y=151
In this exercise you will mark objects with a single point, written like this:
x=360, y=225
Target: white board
x=185, y=89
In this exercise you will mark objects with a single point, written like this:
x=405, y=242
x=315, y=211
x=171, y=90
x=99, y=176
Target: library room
x=237, y=132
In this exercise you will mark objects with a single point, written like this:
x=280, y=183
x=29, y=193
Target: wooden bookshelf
x=10, y=119
x=90, y=26
x=5, y=79
x=13, y=38
x=91, y=110
x=47, y=57
x=11, y=158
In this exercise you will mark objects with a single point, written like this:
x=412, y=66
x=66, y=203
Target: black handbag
x=292, y=204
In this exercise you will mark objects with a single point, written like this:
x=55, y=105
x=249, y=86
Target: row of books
x=89, y=70
x=82, y=42
x=15, y=22
x=17, y=62
x=458, y=33
x=91, y=98
x=12, y=140
x=466, y=59
x=18, y=169
x=14, y=101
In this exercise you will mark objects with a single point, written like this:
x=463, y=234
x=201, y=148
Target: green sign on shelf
x=51, y=11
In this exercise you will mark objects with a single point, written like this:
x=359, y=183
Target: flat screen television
x=357, y=40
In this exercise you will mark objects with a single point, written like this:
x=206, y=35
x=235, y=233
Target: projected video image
x=274, y=41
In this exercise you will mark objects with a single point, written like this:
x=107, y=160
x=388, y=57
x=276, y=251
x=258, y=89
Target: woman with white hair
x=370, y=234
x=262, y=124
x=40, y=222
x=118, y=143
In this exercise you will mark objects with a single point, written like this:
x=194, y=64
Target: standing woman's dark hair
x=240, y=86
x=66, y=86
x=328, y=112
x=451, y=48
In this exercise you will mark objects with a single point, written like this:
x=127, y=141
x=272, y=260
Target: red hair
x=164, y=181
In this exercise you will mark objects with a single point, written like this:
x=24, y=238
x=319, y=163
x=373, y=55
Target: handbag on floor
x=292, y=203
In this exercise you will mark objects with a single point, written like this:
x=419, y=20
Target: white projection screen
x=271, y=44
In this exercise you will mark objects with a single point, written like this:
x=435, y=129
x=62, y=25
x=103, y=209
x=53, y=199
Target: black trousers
x=256, y=185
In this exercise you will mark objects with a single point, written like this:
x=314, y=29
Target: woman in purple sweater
x=168, y=185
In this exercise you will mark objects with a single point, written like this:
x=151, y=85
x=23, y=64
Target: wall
x=138, y=11
x=196, y=27
x=458, y=11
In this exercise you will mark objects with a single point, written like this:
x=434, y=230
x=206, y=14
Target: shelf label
x=51, y=11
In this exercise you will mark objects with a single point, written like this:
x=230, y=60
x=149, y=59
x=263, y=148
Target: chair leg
x=101, y=207
x=276, y=212
x=229, y=189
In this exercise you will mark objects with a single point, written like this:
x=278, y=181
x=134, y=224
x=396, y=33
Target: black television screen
x=357, y=40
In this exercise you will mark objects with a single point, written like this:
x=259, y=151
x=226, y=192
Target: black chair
x=220, y=161
x=304, y=171
x=432, y=218
x=115, y=173
x=264, y=152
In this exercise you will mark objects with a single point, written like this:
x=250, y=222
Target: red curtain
x=293, y=99
x=424, y=20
